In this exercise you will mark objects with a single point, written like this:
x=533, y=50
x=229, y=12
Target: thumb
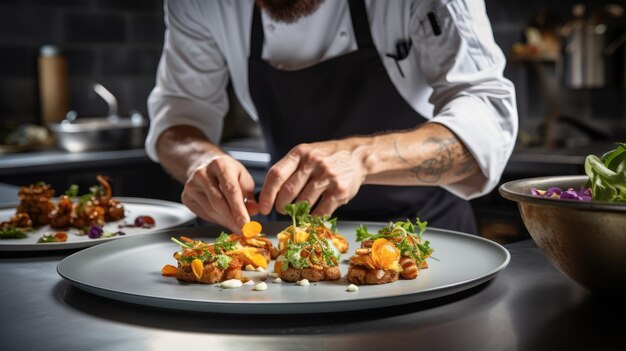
x=247, y=188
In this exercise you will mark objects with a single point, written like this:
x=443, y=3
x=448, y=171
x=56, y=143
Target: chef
x=371, y=110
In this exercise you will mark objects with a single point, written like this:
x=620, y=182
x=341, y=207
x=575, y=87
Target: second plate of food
x=166, y=214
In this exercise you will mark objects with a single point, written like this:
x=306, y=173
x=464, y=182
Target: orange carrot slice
x=197, y=267
x=251, y=229
x=384, y=254
x=257, y=259
x=168, y=270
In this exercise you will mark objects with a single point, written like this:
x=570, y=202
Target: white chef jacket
x=454, y=78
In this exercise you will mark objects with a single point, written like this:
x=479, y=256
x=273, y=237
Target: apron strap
x=257, y=35
x=360, y=25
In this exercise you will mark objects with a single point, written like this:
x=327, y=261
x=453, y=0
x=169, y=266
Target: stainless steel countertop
x=527, y=306
x=252, y=153
x=53, y=160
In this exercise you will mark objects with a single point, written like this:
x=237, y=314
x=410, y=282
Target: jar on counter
x=53, y=85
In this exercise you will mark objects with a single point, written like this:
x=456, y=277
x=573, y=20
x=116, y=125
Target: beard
x=288, y=11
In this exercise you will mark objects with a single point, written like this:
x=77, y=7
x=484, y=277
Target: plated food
x=304, y=223
x=83, y=215
x=222, y=260
x=396, y=250
x=378, y=264
x=309, y=250
x=310, y=247
x=251, y=236
x=204, y=263
x=97, y=271
x=39, y=219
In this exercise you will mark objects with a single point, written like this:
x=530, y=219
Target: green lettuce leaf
x=607, y=175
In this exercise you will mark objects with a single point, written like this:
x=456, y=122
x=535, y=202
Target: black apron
x=341, y=97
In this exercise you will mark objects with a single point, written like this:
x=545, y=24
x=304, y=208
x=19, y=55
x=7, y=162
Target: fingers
x=330, y=201
x=293, y=187
x=206, y=204
x=216, y=193
x=247, y=187
x=229, y=185
x=313, y=190
x=326, y=172
x=276, y=177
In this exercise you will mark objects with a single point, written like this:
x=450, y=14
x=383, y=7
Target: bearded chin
x=288, y=11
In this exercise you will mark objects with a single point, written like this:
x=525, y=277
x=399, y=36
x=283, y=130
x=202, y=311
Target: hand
x=331, y=172
x=215, y=191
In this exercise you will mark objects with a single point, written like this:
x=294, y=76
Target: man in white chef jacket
x=371, y=110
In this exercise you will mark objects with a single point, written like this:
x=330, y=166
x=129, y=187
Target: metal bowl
x=100, y=133
x=585, y=240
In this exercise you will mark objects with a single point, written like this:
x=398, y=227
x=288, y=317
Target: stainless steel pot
x=100, y=133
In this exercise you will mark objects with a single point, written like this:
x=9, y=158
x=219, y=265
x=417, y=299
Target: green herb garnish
x=296, y=211
x=224, y=244
x=410, y=241
x=221, y=246
x=49, y=238
x=72, y=191
x=223, y=261
x=12, y=233
x=303, y=219
x=182, y=244
x=293, y=257
x=301, y=216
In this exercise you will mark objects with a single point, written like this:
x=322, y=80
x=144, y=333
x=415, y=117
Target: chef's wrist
x=203, y=161
x=364, y=150
x=183, y=149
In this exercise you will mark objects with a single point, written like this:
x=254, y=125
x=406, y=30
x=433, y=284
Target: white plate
x=130, y=270
x=166, y=214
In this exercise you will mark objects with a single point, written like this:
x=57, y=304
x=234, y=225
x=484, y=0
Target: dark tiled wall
x=118, y=43
x=113, y=42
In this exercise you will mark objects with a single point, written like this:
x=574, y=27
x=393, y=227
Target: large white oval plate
x=129, y=270
x=166, y=214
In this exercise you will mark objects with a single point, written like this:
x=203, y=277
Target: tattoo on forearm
x=448, y=151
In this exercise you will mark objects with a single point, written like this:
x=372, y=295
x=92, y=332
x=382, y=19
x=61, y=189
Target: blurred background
x=566, y=58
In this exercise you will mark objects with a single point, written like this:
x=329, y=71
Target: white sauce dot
x=277, y=281
x=231, y=284
x=303, y=282
x=260, y=269
x=260, y=287
x=352, y=288
x=249, y=267
x=249, y=283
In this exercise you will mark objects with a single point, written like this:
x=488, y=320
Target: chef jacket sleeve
x=464, y=67
x=191, y=78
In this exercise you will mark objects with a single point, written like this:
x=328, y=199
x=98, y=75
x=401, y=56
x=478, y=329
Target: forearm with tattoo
x=447, y=152
x=430, y=156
